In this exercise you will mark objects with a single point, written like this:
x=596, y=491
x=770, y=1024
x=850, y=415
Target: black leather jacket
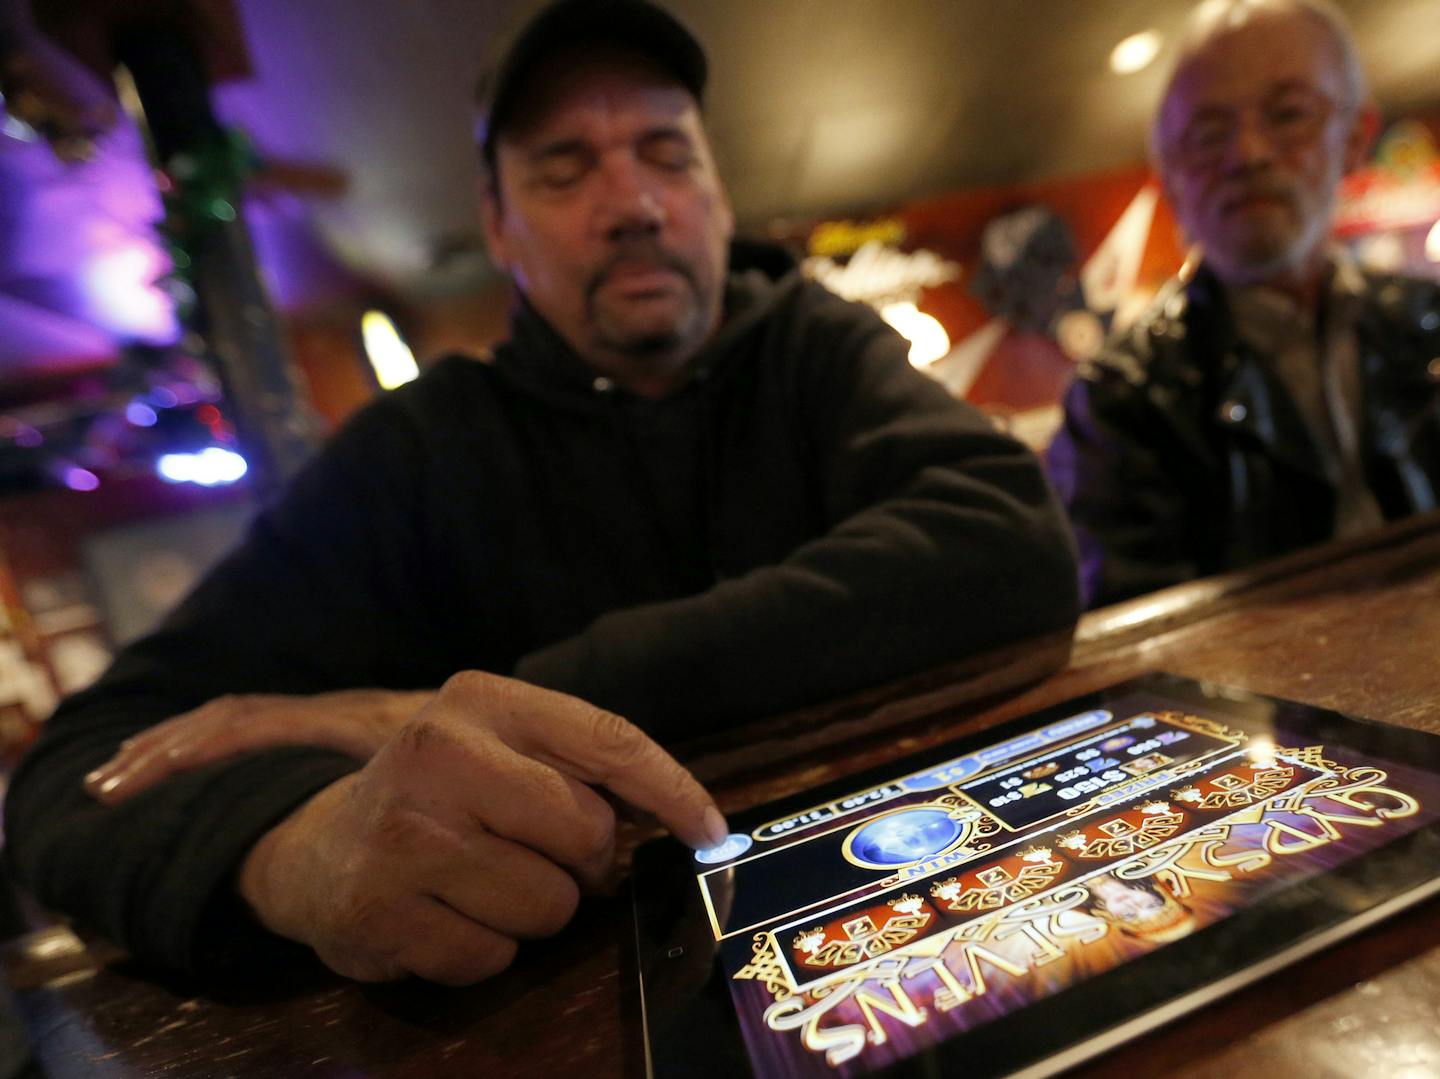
x=1182, y=455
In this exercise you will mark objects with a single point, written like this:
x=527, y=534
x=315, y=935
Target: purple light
x=298, y=268
x=28, y=437
x=82, y=239
x=164, y=397
x=139, y=414
x=80, y=479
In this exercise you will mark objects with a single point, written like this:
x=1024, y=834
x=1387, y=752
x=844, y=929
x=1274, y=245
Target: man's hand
x=353, y=721
x=472, y=828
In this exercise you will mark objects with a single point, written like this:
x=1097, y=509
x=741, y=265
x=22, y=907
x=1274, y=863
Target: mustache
x=639, y=249
x=1244, y=190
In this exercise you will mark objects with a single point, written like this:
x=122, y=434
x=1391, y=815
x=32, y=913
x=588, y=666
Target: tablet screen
x=1013, y=899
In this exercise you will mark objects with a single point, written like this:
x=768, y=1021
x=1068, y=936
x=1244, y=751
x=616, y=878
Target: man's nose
x=1250, y=145
x=631, y=204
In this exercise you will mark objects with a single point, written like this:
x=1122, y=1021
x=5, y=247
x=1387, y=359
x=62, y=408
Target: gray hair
x=1212, y=16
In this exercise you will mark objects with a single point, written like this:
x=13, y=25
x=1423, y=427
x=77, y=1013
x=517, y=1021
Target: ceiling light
x=1136, y=52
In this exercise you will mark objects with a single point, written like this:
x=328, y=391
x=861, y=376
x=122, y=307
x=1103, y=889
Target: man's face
x=610, y=217
x=1255, y=135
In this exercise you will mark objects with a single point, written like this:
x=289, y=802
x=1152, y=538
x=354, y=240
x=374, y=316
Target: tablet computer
x=1018, y=901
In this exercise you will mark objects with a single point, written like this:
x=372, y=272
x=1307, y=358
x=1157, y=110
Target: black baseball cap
x=632, y=24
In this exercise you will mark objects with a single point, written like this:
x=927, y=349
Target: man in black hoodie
x=688, y=490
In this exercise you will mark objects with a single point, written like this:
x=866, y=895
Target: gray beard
x=1293, y=257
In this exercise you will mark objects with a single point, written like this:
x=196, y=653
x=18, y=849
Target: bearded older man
x=1274, y=396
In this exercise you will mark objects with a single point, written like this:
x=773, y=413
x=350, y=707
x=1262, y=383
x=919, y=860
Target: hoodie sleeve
x=944, y=539
x=321, y=595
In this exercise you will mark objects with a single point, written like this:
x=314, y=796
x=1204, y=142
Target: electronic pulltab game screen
x=1017, y=902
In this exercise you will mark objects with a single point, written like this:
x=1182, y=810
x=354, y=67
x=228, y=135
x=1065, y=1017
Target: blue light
x=140, y=414
x=211, y=467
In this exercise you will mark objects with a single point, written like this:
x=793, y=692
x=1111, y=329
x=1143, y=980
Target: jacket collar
x=1249, y=398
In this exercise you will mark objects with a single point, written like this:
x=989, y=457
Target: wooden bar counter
x=1354, y=627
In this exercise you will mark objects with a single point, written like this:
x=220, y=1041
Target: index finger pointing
x=601, y=748
x=626, y=760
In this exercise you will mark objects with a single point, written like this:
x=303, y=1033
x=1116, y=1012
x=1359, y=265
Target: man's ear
x=1360, y=140
x=492, y=219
